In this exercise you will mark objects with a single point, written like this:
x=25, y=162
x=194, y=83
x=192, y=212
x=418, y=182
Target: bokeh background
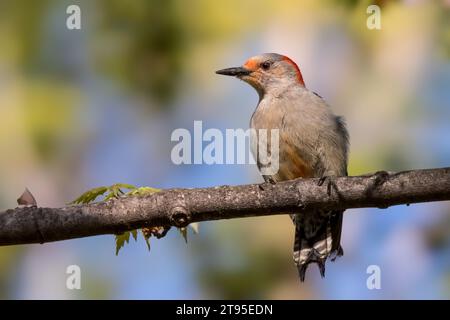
x=96, y=106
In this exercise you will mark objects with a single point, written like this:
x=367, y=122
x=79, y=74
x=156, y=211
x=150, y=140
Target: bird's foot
x=268, y=180
x=330, y=183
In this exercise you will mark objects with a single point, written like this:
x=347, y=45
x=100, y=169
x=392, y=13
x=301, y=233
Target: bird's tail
x=317, y=237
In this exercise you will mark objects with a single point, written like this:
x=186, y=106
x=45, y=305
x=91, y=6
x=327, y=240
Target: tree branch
x=179, y=207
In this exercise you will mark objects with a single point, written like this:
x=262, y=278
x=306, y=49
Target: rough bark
x=179, y=207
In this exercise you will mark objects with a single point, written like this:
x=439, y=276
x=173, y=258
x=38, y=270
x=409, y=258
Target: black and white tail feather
x=317, y=238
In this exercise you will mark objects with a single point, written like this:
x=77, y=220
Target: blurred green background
x=90, y=107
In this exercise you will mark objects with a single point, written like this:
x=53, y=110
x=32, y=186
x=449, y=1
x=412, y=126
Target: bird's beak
x=237, y=71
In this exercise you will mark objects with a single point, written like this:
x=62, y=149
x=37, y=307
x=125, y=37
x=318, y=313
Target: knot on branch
x=180, y=216
x=376, y=181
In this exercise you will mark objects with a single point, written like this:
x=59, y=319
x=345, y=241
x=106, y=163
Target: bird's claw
x=330, y=183
x=321, y=181
x=268, y=180
x=263, y=186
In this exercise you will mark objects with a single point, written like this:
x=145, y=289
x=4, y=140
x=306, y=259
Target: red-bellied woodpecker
x=313, y=142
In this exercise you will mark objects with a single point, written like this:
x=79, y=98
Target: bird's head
x=267, y=71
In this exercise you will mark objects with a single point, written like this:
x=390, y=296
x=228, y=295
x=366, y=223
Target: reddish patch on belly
x=292, y=165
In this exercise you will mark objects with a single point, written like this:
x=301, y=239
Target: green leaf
x=121, y=239
x=183, y=232
x=195, y=226
x=142, y=191
x=147, y=241
x=113, y=191
x=124, y=186
x=134, y=234
x=116, y=191
x=90, y=195
x=110, y=196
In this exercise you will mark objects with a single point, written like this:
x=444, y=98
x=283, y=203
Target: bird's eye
x=265, y=65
